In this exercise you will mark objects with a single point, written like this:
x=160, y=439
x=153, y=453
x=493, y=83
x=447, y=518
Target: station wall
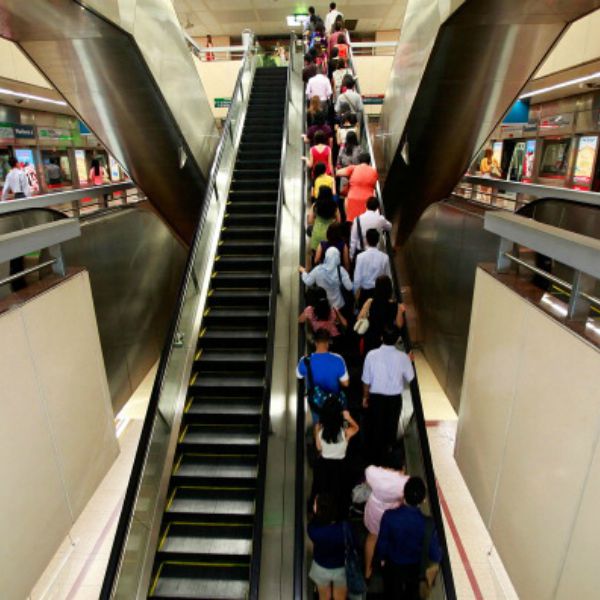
x=57, y=435
x=528, y=442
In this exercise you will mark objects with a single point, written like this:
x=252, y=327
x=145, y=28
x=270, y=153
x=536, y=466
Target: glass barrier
x=130, y=564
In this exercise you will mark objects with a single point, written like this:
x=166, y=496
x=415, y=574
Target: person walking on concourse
x=386, y=372
x=404, y=534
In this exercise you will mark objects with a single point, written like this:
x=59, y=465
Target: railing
x=374, y=48
x=513, y=195
x=579, y=252
x=47, y=237
x=215, y=53
x=137, y=530
x=265, y=416
x=79, y=201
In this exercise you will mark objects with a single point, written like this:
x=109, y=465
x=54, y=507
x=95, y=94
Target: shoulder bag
x=354, y=577
x=316, y=395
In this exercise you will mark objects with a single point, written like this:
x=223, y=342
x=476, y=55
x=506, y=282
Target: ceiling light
x=558, y=86
x=32, y=97
x=296, y=20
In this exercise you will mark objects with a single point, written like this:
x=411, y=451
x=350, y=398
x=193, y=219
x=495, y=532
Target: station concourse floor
x=77, y=569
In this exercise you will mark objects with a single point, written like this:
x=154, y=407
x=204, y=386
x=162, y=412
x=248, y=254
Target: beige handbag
x=362, y=325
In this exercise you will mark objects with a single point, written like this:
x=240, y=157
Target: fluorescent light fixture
x=296, y=20
x=558, y=86
x=32, y=97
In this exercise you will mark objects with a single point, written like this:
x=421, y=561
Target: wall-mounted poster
x=82, y=172
x=115, y=170
x=584, y=163
x=528, y=161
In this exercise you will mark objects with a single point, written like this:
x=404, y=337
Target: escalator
x=210, y=532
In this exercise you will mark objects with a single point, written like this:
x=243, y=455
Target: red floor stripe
x=459, y=545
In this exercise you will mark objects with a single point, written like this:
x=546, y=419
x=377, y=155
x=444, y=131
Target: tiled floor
x=477, y=569
x=77, y=569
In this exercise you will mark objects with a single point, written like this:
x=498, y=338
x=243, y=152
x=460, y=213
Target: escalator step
x=233, y=262
x=249, y=298
x=253, y=196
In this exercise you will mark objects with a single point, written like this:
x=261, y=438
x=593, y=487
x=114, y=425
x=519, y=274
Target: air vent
x=350, y=24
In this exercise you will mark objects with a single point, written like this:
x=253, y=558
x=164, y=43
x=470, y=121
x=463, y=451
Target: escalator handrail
x=419, y=415
x=139, y=463
x=299, y=506
x=265, y=416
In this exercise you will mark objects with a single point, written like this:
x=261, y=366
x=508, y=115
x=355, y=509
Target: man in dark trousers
x=407, y=542
x=386, y=372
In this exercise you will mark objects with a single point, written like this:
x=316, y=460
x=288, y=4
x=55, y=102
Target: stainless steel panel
x=450, y=87
x=441, y=256
x=138, y=90
x=135, y=265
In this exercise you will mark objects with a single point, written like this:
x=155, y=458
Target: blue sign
x=519, y=113
x=84, y=129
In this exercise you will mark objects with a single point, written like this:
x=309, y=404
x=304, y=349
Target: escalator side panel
x=129, y=91
x=482, y=57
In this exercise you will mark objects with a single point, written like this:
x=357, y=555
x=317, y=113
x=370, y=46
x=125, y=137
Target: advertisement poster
x=497, y=153
x=528, y=161
x=115, y=170
x=584, y=164
x=82, y=172
x=24, y=156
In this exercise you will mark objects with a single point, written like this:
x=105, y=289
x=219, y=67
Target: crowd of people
x=362, y=496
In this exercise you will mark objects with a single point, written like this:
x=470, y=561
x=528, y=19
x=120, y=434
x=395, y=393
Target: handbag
x=362, y=325
x=354, y=577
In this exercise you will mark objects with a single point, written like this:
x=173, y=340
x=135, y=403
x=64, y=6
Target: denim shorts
x=322, y=576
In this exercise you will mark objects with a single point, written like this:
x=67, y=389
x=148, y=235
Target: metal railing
x=360, y=49
x=513, y=195
x=136, y=527
x=218, y=52
x=80, y=201
x=579, y=252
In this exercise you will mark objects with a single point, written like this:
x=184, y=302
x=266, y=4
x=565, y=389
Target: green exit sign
x=222, y=102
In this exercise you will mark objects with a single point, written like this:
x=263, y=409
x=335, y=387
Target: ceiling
x=264, y=17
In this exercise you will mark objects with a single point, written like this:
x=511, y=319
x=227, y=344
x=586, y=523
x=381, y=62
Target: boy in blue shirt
x=329, y=370
x=400, y=544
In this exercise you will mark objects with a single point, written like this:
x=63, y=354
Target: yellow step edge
x=202, y=332
x=182, y=434
x=164, y=537
x=155, y=581
x=202, y=564
x=171, y=498
x=177, y=464
x=206, y=312
x=193, y=379
x=199, y=354
x=214, y=488
x=188, y=405
x=203, y=524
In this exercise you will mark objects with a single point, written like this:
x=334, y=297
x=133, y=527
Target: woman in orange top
x=361, y=185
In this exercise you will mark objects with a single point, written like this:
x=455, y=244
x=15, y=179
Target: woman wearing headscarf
x=330, y=276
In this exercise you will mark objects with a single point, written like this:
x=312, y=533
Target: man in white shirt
x=349, y=101
x=386, y=372
x=370, y=264
x=319, y=85
x=371, y=219
x=331, y=16
x=16, y=181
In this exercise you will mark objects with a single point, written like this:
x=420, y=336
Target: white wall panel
x=57, y=435
x=543, y=452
